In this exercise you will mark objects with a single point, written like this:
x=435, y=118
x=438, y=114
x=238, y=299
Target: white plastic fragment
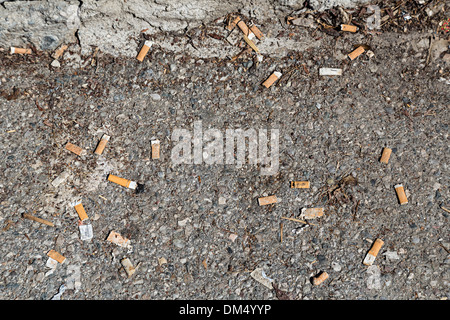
x=61, y=178
x=259, y=275
x=57, y=296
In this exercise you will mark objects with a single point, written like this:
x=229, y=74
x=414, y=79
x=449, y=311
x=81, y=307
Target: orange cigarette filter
x=373, y=252
x=385, y=155
x=56, y=256
x=300, y=184
x=401, y=194
x=116, y=238
x=233, y=23
x=122, y=181
x=256, y=32
x=102, y=144
x=355, y=53
x=144, y=50
x=311, y=213
x=73, y=148
x=58, y=53
x=267, y=200
x=155, y=149
x=273, y=77
x=320, y=278
x=20, y=50
x=349, y=28
x=80, y=210
x=241, y=24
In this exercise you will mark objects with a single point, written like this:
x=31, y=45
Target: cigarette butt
x=267, y=200
x=233, y=23
x=122, y=181
x=355, y=53
x=401, y=194
x=80, y=210
x=320, y=278
x=241, y=24
x=58, y=53
x=128, y=266
x=20, y=50
x=155, y=149
x=256, y=32
x=311, y=213
x=385, y=155
x=144, y=50
x=330, y=72
x=250, y=42
x=349, y=28
x=73, y=148
x=300, y=184
x=116, y=238
x=273, y=77
x=102, y=144
x=373, y=252
x=56, y=256
x=30, y=217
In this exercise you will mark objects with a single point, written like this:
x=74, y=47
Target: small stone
x=155, y=97
x=55, y=64
x=179, y=243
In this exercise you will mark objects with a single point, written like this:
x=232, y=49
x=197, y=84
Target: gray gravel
x=330, y=127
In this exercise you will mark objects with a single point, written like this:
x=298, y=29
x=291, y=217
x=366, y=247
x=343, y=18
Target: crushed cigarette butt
x=116, y=238
x=256, y=32
x=320, y=278
x=59, y=52
x=73, y=148
x=311, y=213
x=155, y=149
x=349, y=28
x=300, y=184
x=267, y=200
x=56, y=256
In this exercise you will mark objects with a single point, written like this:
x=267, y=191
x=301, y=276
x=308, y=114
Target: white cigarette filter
x=330, y=72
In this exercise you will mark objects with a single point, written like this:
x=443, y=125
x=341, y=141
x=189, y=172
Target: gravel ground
x=197, y=231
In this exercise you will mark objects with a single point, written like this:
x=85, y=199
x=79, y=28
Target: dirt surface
x=197, y=230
